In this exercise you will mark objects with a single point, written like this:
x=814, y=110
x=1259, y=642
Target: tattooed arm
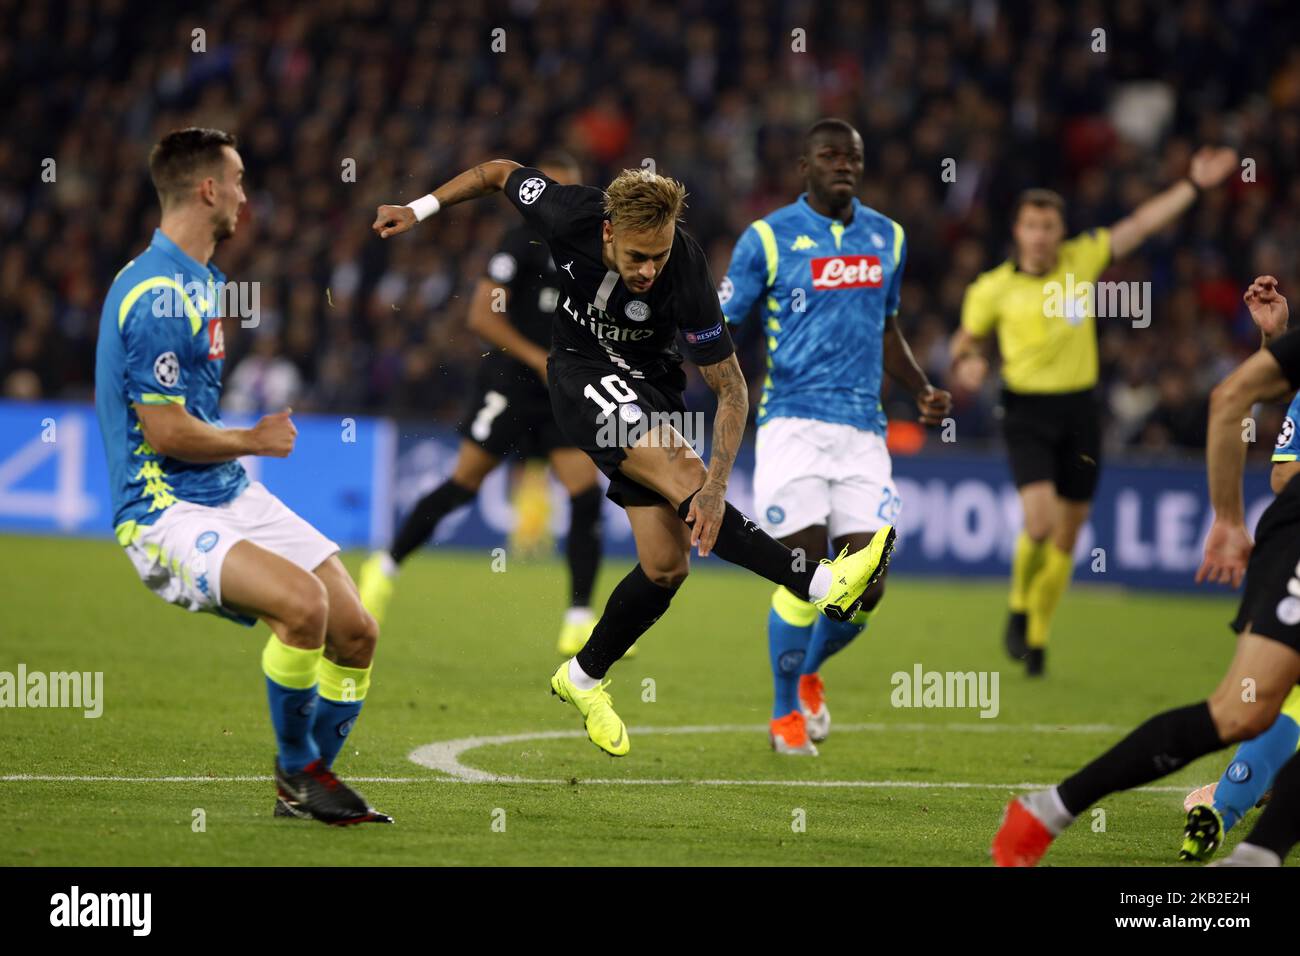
x=485, y=178
x=709, y=504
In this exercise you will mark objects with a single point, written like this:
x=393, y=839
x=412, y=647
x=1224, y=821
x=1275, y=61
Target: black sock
x=1159, y=747
x=1278, y=829
x=742, y=542
x=424, y=517
x=583, y=546
x=636, y=604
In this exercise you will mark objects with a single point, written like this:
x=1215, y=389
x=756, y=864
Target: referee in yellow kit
x=1048, y=343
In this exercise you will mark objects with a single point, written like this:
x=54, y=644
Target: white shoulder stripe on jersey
x=606, y=287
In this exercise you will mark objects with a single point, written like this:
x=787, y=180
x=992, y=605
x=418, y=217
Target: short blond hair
x=641, y=201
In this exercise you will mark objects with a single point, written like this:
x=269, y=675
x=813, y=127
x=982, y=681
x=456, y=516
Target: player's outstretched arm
x=485, y=178
x=1210, y=166
x=1227, y=547
x=709, y=503
x=933, y=403
x=172, y=431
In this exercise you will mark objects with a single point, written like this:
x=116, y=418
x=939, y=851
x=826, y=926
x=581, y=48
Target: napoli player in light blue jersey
x=825, y=273
x=200, y=534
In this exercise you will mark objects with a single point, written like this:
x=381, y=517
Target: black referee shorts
x=603, y=425
x=1270, y=603
x=1056, y=438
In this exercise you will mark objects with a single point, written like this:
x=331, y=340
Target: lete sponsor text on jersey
x=847, y=272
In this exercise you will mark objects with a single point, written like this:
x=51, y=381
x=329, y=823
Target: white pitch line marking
x=444, y=757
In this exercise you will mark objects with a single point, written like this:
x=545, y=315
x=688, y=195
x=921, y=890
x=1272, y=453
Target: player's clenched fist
x=393, y=220
x=274, y=435
x=934, y=404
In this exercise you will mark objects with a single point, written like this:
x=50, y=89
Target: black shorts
x=1270, y=604
x=509, y=413
x=604, y=425
x=1054, y=438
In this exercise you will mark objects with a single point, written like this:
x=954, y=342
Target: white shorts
x=179, y=556
x=819, y=473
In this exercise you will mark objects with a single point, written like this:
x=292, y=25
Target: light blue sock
x=829, y=637
x=787, y=645
x=1253, y=767
x=334, y=721
x=292, y=713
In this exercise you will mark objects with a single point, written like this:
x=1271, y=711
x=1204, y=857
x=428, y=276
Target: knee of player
x=365, y=634
x=307, y=605
x=1237, y=720
x=670, y=575
x=1038, y=527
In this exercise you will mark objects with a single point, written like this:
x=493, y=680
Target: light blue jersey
x=1287, y=447
x=825, y=289
x=160, y=341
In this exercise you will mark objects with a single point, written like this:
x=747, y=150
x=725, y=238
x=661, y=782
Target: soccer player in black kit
x=631, y=280
x=509, y=414
x=1267, y=657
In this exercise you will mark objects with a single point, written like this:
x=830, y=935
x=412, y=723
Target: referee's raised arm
x=485, y=178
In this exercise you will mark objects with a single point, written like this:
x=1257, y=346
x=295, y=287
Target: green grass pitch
x=466, y=652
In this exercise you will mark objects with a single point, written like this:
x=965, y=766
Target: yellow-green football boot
x=375, y=582
x=852, y=574
x=604, y=727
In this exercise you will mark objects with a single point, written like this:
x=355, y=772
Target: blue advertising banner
x=354, y=478
x=54, y=475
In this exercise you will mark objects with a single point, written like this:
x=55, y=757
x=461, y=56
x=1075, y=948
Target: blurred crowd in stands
x=716, y=92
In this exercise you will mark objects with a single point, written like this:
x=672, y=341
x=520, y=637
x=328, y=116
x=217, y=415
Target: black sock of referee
x=636, y=604
x=424, y=517
x=583, y=547
x=742, y=542
x=1157, y=748
x=1278, y=829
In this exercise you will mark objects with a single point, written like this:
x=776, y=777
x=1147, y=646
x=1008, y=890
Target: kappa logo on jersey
x=167, y=369
x=847, y=272
x=802, y=243
x=637, y=311
x=530, y=189
x=216, y=340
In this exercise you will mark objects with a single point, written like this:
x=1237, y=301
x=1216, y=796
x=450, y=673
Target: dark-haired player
x=510, y=415
x=199, y=533
x=827, y=271
x=632, y=280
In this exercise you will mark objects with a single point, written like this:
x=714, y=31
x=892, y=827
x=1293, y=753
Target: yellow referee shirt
x=1046, y=324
